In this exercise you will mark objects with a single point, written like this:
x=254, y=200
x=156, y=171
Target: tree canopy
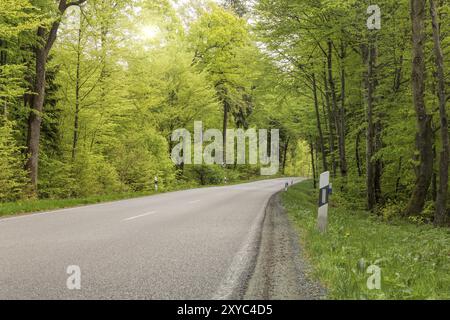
x=91, y=91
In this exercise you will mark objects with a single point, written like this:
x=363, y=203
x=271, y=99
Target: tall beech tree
x=424, y=137
x=46, y=38
x=442, y=192
x=370, y=54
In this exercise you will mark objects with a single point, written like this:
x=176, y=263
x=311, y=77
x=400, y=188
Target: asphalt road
x=193, y=244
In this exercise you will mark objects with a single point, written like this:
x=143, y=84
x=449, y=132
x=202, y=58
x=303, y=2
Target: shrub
x=12, y=175
x=56, y=178
x=390, y=210
x=140, y=157
x=94, y=175
x=206, y=174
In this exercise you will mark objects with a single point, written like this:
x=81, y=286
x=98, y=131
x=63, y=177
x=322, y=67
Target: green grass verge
x=27, y=206
x=11, y=208
x=414, y=259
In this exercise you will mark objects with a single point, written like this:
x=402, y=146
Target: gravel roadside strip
x=280, y=271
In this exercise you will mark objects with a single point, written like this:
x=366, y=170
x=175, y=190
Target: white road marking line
x=194, y=201
x=139, y=216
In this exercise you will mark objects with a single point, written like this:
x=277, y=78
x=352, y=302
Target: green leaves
x=12, y=175
x=17, y=16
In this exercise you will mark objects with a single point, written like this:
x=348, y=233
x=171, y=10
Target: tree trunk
x=341, y=142
x=35, y=118
x=286, y=145
x=37, y=100
x=3, y=53
x=104, y=74
x=3, y=60
x=434, y=179
x=440, y=215
x=224, y=129
x=77, y=94
x=424, y=141
x=378, y=162
x=357, y=155
x=342, y=113
x=399, y=176
x=330, y=123
x=369, y=55
x=311, y=149
x=319, y=127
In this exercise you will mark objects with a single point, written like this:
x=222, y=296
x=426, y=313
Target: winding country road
x=192, y=244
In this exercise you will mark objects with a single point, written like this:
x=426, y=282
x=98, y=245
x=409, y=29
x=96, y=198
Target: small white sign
x=322, y=216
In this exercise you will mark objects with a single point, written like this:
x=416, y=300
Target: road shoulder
x=280, y=271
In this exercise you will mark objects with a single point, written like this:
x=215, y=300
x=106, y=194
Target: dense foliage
x=91, y=90
x=121, y=76
x=375, y=98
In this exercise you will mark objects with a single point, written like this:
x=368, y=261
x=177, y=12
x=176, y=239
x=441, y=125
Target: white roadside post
x=324, y=188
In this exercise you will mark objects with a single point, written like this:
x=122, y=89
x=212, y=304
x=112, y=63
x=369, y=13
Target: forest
x=91, y=91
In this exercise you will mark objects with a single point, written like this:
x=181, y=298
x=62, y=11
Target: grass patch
x=11, y=208
x=414, y=259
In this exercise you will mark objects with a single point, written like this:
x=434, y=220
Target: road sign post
x=324, y=191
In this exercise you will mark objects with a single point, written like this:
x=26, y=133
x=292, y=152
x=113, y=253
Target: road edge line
x=238, y=275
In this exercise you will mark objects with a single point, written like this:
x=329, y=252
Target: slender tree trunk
x=357, y=155
x=77, y=94
x=319, y=126
x=330, y=123
x=3, y=53
x=224, y=128
x=311, y=149
x=399, y=176
x=424, y=141
x=325, y=115
x=337, y=122
x=286, y=145
x=434, y=178
x=3, y=61
x=3, y=57
x=370, y=55
x=342, y=112
x=440, y=216
x=378, y=162
x=104, y=74
x=75, y=128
